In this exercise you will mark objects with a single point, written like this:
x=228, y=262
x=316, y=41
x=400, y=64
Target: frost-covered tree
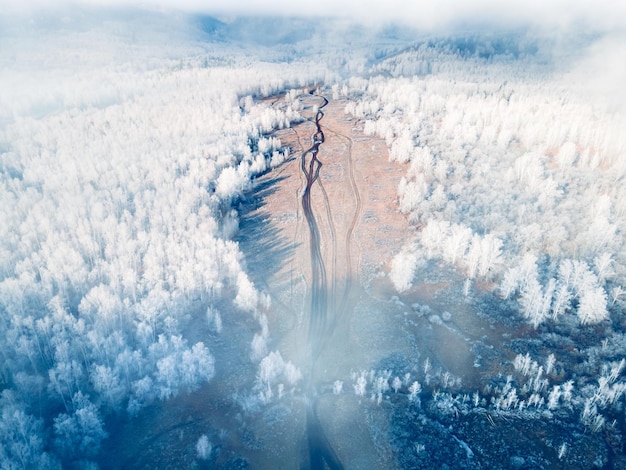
x=117, y=216
x=22, y=438
x=403, y=267
x=360, y=386
x=272, y=369
x=203, y=447
x=414, y=391
x=462, y=136
x=592, y=306
x=108, y=385
x=79, y=433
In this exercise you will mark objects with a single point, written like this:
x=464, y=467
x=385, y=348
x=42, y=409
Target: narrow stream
x=321, y=453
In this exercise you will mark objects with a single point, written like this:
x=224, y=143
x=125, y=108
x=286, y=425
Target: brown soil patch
x=353, y=201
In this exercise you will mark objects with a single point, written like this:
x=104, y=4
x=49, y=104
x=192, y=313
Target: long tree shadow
x=265, y=248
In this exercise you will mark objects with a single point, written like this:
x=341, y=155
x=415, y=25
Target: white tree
x=167, y=376
x=247, y=296
x=455, y=245
x=81, y=432
x=510, y=282
x=108, y=386
x=196, y=366
x=532, y=300
x=22, y=437
x=360, y=386
x=485, y=254
x=592, y=306
x=604, y=268
x=403, y=268
x=271, y=369
x=414, y=390
x=203, y=447
x=396, y=384
x=412, y=194
x=562, y=299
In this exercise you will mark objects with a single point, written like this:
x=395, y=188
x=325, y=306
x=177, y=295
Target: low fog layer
x=597, y=16
x=590, y=35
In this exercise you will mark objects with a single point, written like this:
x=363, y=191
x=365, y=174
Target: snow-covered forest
x=511, y=178
x=122, y=161
x=130, y=142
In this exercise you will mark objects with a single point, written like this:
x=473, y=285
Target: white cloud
x=591, y=35
x=605, y=88
x=585, y=14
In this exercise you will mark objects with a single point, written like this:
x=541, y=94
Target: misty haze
x=351, y=238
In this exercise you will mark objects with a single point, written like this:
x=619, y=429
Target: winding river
x=321, y=453
x=311, y=167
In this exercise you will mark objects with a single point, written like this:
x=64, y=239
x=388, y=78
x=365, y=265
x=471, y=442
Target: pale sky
x=600, y=15
x=600, y=70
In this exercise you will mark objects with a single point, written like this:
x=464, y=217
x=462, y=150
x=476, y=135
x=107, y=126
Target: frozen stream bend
x=321, y=321
x=311, y=167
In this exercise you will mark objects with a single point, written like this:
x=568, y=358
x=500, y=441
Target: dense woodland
x=510, y=179
x=126, y=147
x=118, y=187
x=513, y=180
